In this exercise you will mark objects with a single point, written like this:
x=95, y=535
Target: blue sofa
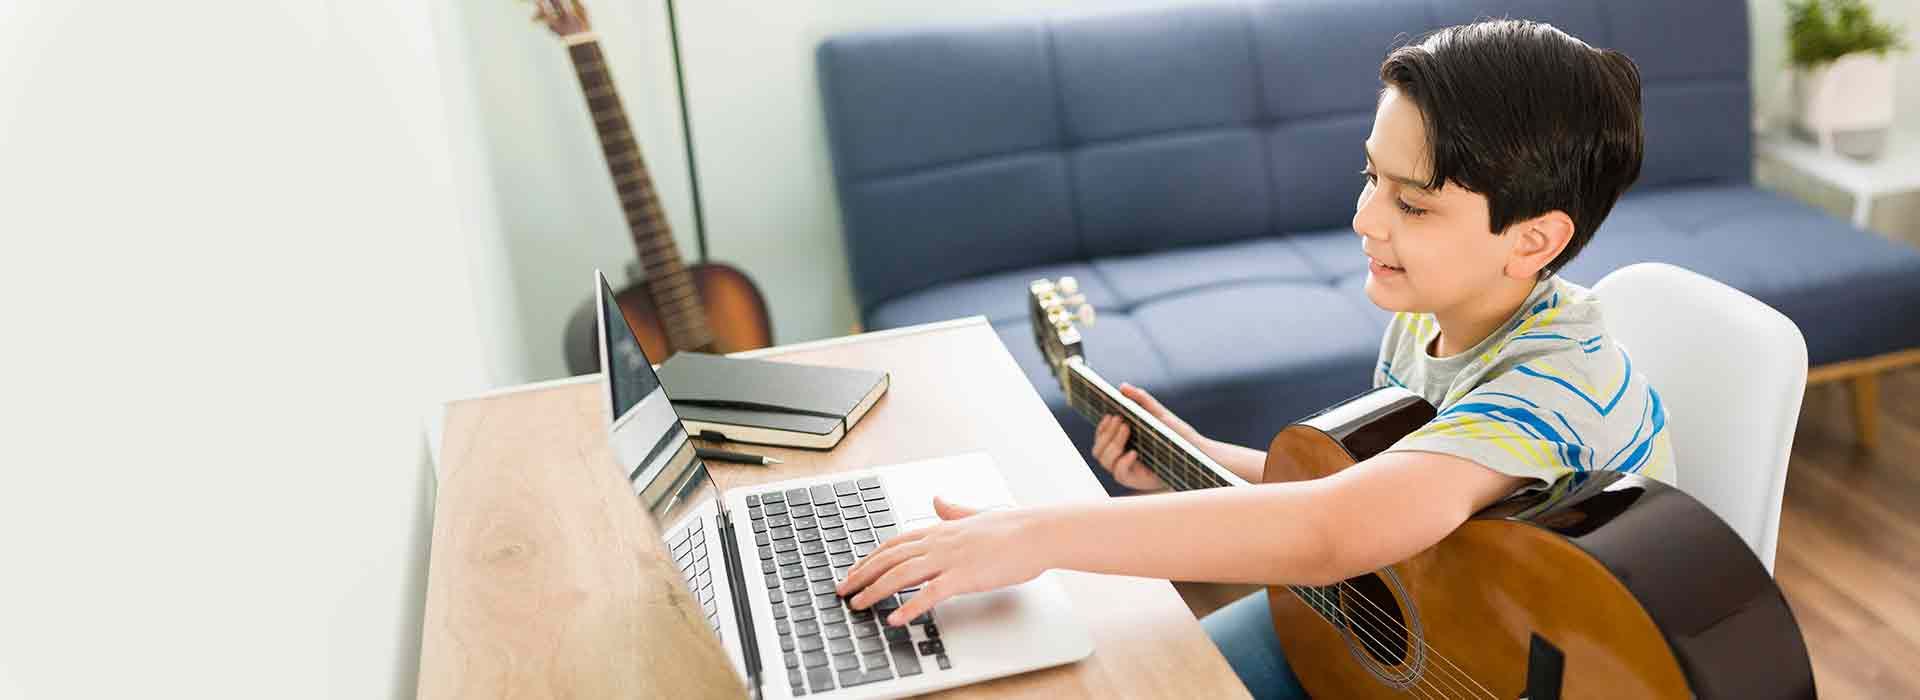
x=1196, y=169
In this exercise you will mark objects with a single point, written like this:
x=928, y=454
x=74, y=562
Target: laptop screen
x=645, y=433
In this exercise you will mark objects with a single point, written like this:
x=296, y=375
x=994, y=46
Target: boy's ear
x=1536, y=242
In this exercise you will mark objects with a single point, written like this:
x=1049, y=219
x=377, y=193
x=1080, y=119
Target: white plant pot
x=1847, y=105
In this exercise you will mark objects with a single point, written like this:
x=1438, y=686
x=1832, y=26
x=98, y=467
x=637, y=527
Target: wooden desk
x=546, y=580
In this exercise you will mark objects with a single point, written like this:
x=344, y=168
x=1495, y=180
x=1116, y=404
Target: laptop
x=763, y=560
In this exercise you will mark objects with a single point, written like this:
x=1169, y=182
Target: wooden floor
x=1849, y=557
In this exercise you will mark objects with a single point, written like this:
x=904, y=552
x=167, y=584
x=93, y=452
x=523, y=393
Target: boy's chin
x=1394, y=300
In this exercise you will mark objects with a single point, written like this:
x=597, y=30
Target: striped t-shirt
x=1547, y=394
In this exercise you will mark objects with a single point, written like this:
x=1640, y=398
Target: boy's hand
x=1110, y=442
x=970, y=552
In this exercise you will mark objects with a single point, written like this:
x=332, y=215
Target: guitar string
x=1435, y=671
x=1422, y=681
x=1144, y=444
x=1151, y=439
x=1182, y=484
x=1381, y=616
x=1348, y=619
x=682, y=324
x=1163, y=452
x=1450, y=676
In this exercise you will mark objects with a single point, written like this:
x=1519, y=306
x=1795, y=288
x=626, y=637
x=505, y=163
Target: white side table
x=1896, y=171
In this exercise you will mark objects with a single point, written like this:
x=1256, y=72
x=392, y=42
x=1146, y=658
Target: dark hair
x=1532, y=118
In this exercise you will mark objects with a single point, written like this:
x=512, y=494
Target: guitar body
x=1608, y=585
x=734, y=309
x=738, y=316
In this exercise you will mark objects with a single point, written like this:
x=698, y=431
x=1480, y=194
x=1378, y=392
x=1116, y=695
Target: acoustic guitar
x=1606, y=585
x=709, y=307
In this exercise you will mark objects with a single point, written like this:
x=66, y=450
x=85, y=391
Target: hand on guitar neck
x=1116, y=455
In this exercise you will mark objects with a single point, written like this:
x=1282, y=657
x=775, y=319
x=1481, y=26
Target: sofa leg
x=1866, y=409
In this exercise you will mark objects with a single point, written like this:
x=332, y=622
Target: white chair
x=1731, y=372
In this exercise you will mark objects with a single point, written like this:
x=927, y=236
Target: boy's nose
x=1366, y=221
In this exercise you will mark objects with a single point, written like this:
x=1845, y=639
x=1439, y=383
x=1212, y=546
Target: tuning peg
x=1069, y=286
x=1085, y=313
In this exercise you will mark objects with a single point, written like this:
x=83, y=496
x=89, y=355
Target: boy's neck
x=1465, y=326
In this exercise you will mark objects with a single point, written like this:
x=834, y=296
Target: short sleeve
x=1504, y=425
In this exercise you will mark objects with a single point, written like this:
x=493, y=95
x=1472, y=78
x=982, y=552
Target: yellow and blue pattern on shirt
x=1545, y=416
x=1545, y=439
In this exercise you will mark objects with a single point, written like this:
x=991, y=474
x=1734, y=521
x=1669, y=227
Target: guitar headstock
x=564, y=17
x=1053, y=307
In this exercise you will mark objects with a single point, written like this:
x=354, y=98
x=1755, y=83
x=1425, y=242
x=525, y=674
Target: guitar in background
x=707, y=307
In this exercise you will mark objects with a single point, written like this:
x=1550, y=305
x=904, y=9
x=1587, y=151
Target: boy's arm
x=1379, y=512
x=1249, y=463
x=1373, y=514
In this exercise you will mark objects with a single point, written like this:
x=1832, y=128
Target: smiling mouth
x=1376, y=261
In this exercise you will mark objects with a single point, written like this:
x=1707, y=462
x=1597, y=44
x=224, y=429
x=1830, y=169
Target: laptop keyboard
x=690, y=552
x=807, y=539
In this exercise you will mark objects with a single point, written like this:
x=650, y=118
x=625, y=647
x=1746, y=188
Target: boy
x=1497, y=149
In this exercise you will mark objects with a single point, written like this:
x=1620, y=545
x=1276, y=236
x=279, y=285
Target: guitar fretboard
x=1177, y=462
x=667, y=279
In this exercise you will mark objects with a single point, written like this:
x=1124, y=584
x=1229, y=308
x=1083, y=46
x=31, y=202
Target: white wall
x=236, y=267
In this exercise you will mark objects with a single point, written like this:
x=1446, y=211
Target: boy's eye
x=1405, y=208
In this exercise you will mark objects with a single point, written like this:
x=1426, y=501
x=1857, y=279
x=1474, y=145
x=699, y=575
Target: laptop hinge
x=742, y=613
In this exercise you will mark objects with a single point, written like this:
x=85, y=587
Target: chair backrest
x=1731, y=371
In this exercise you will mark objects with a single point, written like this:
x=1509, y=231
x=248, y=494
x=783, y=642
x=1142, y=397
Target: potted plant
x=1843, y=77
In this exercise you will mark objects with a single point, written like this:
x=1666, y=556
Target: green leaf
x=1819, y=31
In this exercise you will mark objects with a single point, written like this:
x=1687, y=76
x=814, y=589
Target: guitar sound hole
x=1374, y=616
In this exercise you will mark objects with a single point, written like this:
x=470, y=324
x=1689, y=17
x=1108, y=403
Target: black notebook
x=769, y=403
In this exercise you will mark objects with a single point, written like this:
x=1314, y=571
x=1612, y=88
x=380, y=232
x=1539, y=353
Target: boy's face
x=1439, y=241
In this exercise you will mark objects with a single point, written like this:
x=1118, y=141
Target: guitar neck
x=1177, y=462
x=667, y=278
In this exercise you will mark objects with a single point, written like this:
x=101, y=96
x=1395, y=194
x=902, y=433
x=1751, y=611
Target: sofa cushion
x=1853, y=294
x=1138, y=279
x=936, y=228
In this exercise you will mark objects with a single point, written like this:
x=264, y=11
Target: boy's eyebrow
x=1402, y=179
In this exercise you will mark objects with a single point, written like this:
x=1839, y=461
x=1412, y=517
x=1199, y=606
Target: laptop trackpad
x=968, y=480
